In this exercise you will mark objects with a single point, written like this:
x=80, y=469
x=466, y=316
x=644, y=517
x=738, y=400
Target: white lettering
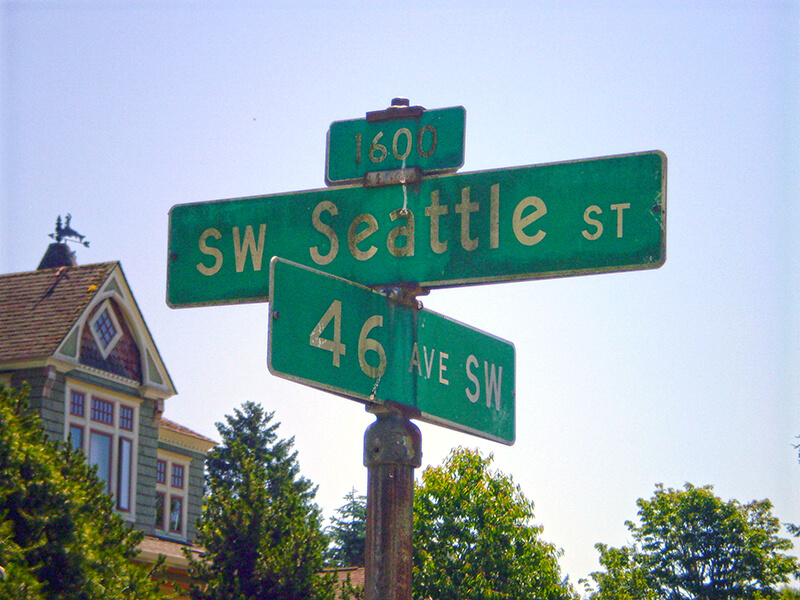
x=256, y=251
x=619, y=208
x=494, y=381
x=325, y=230
x=594, y=209
x=354, y=236
x=210, y=251
x=415, y=360
x=473, y=396
x=443, y=356
x=428, y=363
x=519, y=222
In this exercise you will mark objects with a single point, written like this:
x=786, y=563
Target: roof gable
x=48, y=313
x=38, y=308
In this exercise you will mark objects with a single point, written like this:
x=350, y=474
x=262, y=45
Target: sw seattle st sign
x=554, y=220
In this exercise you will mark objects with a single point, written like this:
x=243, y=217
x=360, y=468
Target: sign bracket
x=399, y=109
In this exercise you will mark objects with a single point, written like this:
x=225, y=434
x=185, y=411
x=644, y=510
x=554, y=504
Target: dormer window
x=105, y=329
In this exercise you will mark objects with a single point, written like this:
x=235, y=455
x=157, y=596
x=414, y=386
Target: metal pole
x=392, y=450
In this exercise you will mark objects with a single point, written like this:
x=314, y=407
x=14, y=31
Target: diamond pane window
x=105, y=329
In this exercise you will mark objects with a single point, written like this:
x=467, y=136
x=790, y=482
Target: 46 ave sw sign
x=571, y=218
x=350, y=340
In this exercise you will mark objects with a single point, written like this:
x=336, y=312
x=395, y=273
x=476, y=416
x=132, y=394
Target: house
x=75, y=335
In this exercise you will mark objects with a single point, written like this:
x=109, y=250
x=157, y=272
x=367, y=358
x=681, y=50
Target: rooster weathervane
x=67, y=233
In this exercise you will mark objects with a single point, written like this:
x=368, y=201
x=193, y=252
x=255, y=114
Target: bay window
x=105, y=429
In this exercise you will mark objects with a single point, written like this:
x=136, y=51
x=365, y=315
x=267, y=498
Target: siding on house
x=46, y=396
x=148, y=453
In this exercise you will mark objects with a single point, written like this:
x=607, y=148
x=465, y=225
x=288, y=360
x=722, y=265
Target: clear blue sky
x=116, y=111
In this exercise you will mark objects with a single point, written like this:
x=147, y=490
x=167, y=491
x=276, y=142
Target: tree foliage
x=691, y=544
x=260, y=528
x=59, y=535
x=475, y=539
x=348, y=532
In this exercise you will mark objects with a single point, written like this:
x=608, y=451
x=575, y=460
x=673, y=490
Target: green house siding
x=146, y=475
x=46, y=397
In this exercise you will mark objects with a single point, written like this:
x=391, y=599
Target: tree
x=691, y=544
x=59, y=535
x=260, y=528
x=348, y=532
x=626, y=577
x=474, y=536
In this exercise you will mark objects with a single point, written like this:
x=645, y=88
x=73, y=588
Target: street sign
x=350, y=340
x=432, y=141
x=573, y=218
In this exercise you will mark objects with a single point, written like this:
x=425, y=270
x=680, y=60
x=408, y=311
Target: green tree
x=691, y=544
x=260, y=528
x=59, y=535
x=475, y=539
x=348, y=532
x=626, y=576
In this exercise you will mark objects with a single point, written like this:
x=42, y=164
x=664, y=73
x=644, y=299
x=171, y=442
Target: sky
x=116, y=111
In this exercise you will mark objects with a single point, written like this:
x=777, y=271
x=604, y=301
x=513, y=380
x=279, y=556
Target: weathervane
x=66, y=232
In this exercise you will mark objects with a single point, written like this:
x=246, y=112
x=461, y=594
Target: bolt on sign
x=578, y=217
x=348, y=339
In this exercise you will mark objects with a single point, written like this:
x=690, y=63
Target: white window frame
x=115, y=432
x=105, y=307
x=169, y=492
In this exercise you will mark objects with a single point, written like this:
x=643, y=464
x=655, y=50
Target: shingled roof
x=178, y=428
x=38, y=308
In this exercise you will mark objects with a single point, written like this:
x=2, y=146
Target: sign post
x=399, y=219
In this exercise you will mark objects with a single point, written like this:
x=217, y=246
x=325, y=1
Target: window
x=124, y=470
x=161, y=471
x=177, y=476
x=102, y=411
x=100, y=455
x=76, y=437
x=76, y=404
x=105, y=328
x=125, y=418
x=176, y=514
x=171, y=483
x=160, y=505
x=106, y=430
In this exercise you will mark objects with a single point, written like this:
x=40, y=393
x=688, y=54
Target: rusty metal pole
x=392, y=450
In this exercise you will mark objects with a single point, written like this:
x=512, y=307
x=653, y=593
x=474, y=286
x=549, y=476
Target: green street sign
x=573, y=218
x=432, y=141
x=350, y=340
